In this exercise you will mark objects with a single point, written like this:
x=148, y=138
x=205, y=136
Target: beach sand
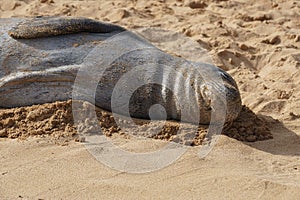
x=257, y=42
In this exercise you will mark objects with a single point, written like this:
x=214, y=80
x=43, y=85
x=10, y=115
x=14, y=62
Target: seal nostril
x=232, y=94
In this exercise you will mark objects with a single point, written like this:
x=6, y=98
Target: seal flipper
x=39, y=27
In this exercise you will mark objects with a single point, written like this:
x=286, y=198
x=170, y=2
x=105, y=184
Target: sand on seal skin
x=257, y=42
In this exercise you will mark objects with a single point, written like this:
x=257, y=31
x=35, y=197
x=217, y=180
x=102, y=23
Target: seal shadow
x=284, y=142
x=264, y=133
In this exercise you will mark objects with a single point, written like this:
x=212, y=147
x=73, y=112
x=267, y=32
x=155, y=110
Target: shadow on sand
x=284, y=142
x=264, y=133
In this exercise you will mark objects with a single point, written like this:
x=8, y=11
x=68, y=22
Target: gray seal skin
x=40, y=58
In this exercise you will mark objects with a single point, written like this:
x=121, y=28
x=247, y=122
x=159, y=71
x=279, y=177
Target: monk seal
x=40, y=58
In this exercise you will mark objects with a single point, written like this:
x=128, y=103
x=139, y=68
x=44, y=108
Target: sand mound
x=56, y=120
x=53, y=119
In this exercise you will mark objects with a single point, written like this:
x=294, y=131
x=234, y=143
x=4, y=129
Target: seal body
x=40, y=59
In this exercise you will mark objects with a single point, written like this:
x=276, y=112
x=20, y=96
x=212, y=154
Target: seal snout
x=221, y=96
x=232, y=95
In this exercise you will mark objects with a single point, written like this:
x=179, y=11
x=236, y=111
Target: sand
x=257, y=42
